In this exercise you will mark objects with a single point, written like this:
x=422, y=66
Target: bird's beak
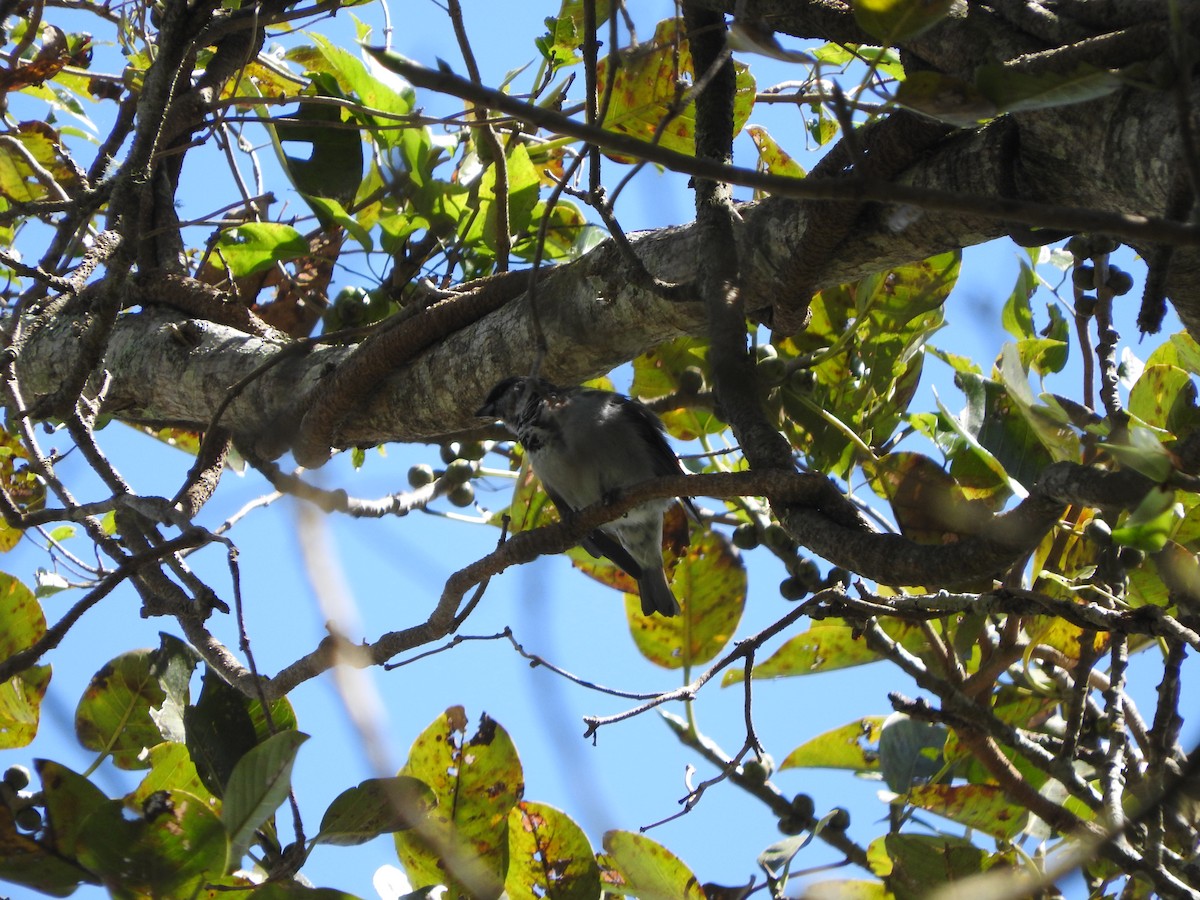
x=487, y=411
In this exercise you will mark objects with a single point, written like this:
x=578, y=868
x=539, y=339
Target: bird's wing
x=597, y=542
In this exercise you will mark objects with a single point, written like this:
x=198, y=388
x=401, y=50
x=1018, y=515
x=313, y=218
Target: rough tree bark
x=1121, y=153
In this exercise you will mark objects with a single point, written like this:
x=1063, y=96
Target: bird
x=586, y=445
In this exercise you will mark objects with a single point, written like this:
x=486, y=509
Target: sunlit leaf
x=980, y=806
x=898, y=20
x=633, y=864
x=550, y=857
x=477, y=780
x=22, y=624
x=709, y=579
x=828, y=644
x=850, y=746
x=645, y=90
x=256, y=246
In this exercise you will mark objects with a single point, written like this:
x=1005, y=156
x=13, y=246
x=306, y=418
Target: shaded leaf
x=258, y=784
x=219, y=731
x=69, y=799
x=1013, y=90
x=376, y=806
x=171, y=851
x=920, y=862
x=28, y=862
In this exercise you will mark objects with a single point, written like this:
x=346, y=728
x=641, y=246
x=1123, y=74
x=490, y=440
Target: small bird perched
x=586, y=445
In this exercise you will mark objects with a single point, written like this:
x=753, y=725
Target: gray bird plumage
x=586, y=445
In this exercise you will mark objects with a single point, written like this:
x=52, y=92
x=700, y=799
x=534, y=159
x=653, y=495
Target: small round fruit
x=16, y=777
x=1083, y=277
x=839, y=820
x=792, y=825
x=28, y=818
x=1098, y=532
x=837, y=575
x=449, y=452
x=755, y=771
x=1120, y=282
x=472, y=450
x=1080, y=246
x=1085, y=306
x=803, y=807
x=1131, y=557
x=801, y=380
x=777, y=539
x=462, y=494
x=459, y=471
x=766, y=351
x=806, y=572
x=420, y=475
x=793, y=589
x=691, y=380
x=771, y=371
x=745, y=536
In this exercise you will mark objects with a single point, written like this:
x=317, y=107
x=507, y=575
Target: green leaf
x=116, y=714
x=22, y=625
x=374, y=86
x=219, y=731
x=476, y=781
x=257, y=246
x=910, y=752
x=376, y=806
x=710, y=581
x=980, y=806
x=945, y=97
x=259, y=783
x=1016, y=91
x=330, y=212
x=171, y=768
x=70, y=798
x=550, y=857
x=844, y=747
x=898, y=20
x=644, y=90
x=1149, y=525
x=632, y=864
x=171, y=851
x=1017, y=316
x=334, y=167
x=1165, y=397
x=827, y=645
x=920, y=862
x=29, y=862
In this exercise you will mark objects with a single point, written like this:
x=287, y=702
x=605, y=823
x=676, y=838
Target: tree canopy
x=389, y=234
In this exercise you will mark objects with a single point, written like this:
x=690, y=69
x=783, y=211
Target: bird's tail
x=656, y=593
